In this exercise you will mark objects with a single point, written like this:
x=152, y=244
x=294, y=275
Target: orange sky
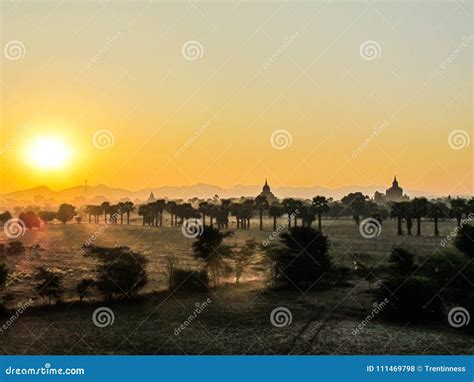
x=339, y=114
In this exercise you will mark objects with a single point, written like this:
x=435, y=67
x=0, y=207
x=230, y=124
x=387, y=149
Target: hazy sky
x=189, y=92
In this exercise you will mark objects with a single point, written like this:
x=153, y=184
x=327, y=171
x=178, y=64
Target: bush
x=121, y=271
x=84, y=287
x=190, y=281
x=302, y=257
x=403, y=261
x=451, y=272
x=15, y=248
x=49, y=284
x=464, y=240
x=414, y=299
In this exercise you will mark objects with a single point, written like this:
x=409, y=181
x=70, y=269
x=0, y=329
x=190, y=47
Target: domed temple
x=268, y=193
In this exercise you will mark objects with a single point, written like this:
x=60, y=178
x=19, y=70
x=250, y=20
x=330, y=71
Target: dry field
x=237, y=320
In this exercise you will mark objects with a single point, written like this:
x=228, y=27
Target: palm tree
x=307, y=214
x=321, y=206
x=438, y=211
x=419, y=207
x=275, y=211
x=209, y=247
x=459, y=208
x=356, y=202
x=407, y=214
x=120, y=210
x=289, y=207
x=105, y=206
x=144, y=211
x=160, y=205
x=128, y=208
x=203, y=209
x=398, y=212
x=247, y=212
x=261, y=203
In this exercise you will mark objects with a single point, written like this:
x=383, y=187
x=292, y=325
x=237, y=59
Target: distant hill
x=102, y=192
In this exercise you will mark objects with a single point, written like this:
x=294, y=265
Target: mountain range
x=96, y=194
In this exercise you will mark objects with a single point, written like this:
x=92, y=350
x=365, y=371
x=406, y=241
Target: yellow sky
x=180, y=116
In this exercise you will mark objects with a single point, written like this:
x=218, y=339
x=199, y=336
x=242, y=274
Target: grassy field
x=237, y=321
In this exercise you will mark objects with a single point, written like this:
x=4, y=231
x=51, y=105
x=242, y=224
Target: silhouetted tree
x=459, y=208
x=464, y=240
x=121, y=271
x=210, y=248
x=438, y=211
x=83, y=288
x=30, y=219
x=261, y=203
x=321, y=206
x=243, y=257
x=275, y=211
x=419, y=207
x=397, y=211
x=66, y=212
x=5, y=216
x=47, y=216
x=403, y=261
x=302, y=256
x=49, y=284
x=355, y=201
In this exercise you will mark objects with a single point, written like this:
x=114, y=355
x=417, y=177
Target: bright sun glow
x=48, y=153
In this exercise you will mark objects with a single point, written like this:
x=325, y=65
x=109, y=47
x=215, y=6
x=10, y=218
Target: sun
x=48, y=153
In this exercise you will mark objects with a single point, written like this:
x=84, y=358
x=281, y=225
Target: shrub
x=464, y=240
x=403, y=261
x=121, y=271
x=301, y=257
x=15, y=247
x=84, y=287
x=49, y=284
x=190, y=281
x=451, y=272
x=414, y=299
